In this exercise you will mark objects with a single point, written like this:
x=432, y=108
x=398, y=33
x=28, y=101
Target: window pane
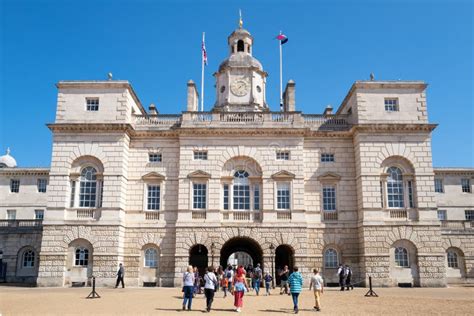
x=241, y=190
x=395, y=188
x=29, y=259
x=439, y=185
x=14, y=186
x=153, y=198
x=442, y=215
x=200, y=155
x=452, y=259
x=329, y=198
x=283, y=196
x=151, y=257
x=154, y=157
x=88, y=187
x=469, y=215
x=401, y=257
x=325, y=157
x=330, y=258
x=256, y=197
x=466, y=185
x=42, y=183
x=199, y=196
x=226, y=196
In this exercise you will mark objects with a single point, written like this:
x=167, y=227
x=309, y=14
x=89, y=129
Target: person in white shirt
x=210, y=284
x=318, y=288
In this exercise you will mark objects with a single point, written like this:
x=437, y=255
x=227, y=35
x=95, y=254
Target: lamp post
x=272, y=253
x=212, y=254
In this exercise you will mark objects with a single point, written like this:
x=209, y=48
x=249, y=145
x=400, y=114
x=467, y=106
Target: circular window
x=222, y=89
x=259, y=89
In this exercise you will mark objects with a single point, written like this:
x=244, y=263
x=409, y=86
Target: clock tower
x=240, y=80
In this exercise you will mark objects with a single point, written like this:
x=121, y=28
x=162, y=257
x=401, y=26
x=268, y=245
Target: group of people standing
x=345, y=275
x=238, y=280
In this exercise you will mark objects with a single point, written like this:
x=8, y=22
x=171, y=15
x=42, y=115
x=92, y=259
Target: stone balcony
x=457, y=226
x=21, y=225
x=242, y=120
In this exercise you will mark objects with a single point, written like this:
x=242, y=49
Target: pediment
x=283, y=175
x=153, y=176
x=329, y=176
x=199, y=174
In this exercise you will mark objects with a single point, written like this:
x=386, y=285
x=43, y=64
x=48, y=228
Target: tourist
x=229, y=275
x=341, y=272
x=210, y=285
x=120, y=274
x=348, y=274
x=268, y=279
x=240, y=287
x=197, y=282
x=284, y=280
x=295, y=281
x=224, y=285
x=318, y=288
x=257, y=278
x=188, y=287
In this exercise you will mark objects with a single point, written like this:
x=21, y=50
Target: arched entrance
x=284, y=256
x=241, y=245
x=198, y=258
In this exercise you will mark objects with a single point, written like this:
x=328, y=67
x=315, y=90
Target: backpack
x=258, y=273
x=228, y=275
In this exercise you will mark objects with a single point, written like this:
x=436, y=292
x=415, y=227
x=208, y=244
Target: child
x=268, y=280
x=225, y=285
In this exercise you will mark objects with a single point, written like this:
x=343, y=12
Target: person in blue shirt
x=296, y=285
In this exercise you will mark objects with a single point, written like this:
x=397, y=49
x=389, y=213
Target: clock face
x=239, y=87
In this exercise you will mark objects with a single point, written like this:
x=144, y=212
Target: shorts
x=283, y=283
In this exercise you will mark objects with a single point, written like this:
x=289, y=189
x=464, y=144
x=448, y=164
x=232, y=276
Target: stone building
x=158, y=192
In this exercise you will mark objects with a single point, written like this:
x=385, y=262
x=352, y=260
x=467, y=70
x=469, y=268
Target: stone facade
x=159, y=192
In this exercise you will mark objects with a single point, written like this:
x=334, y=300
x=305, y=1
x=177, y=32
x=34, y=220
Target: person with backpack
x=229, y=275
x=188, y=287
x=341, y=272
x=295, y=280
x=257, y=278
x=268, y=280
x=348, y=273
x=210, y=286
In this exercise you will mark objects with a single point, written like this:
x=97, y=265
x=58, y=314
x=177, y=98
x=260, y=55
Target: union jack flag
x=204, y=53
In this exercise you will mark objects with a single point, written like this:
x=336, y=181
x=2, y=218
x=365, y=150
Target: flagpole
x=202, y=73
x=281, y=76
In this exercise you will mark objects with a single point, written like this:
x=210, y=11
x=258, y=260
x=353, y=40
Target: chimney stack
x=289, y=97
x=193, y=97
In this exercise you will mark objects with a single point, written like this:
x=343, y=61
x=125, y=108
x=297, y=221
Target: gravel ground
x=167, y=301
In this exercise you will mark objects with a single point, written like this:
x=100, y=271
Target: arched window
x=330, y=258
x=88, y=187
x=401, y=257
x=452, y=259
x=151, y=258
x=82, y=256
x=28, y=259
x=241, y=190
x=240, y=46
x=395, y=188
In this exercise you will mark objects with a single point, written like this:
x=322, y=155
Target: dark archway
x=198, y=258
x=284, y=256
x=240, y=46
x=243, y=244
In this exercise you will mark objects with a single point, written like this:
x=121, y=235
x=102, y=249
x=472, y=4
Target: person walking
x=341, y=273
x=295, y=280
x=197, y=282
x=257, y=278
x=120, y=274
x=210, y=285
x=348, y=274
x=318, y=288
x=284, y=280
x=229, y=275
x=268, y=280
x=240, y=286
x=188, y=287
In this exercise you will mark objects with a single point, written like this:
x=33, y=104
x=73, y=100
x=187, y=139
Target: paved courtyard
x=167, y=301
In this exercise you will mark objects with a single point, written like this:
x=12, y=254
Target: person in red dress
x=240, y=286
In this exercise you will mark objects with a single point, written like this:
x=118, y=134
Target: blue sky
x=156, y=46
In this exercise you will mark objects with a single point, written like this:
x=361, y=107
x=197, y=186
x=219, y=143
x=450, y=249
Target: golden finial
x=241, y=22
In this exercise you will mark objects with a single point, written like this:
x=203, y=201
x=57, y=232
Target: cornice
x=24, y=171
x=389, y=127
x=90, y=127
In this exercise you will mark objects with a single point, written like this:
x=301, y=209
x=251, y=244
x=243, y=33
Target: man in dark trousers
x=341, y=272
x=120, y=274
x=348, y=273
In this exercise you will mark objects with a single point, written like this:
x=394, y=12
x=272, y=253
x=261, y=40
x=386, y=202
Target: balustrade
x=152, y=215
x=329, y=216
